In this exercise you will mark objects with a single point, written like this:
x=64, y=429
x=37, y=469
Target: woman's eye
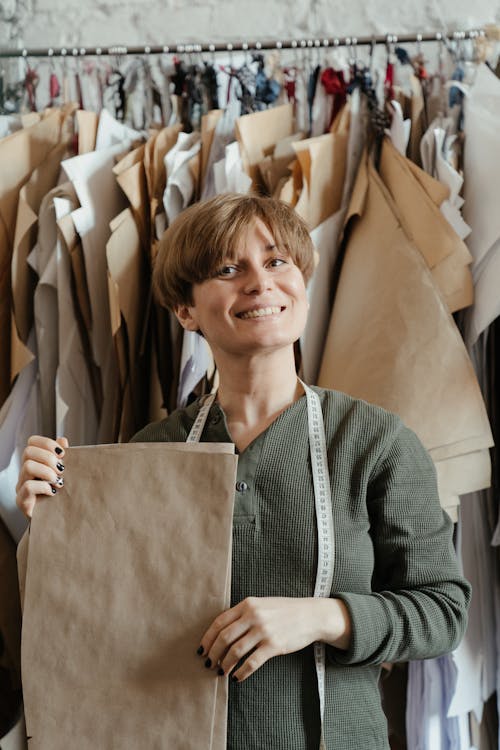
x=226, y=271
x=276, y=262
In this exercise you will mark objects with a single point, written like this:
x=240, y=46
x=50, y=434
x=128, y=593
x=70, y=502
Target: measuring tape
x=324, y=517
x=199, y=423
x=324, y=522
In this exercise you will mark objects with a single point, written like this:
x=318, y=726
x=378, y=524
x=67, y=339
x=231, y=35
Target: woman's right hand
x=41, y=471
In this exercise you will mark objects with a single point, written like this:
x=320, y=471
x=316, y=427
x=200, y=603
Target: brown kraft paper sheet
x=126, y=568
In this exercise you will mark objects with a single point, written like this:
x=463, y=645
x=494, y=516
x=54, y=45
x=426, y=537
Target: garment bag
x=124, y=570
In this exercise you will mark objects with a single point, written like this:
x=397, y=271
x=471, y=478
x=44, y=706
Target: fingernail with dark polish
x=60, y=466
x=199, y=650
x=220, y=672
x=53, y=490
x=59, y=482
x=58, y=450
x=208, y=663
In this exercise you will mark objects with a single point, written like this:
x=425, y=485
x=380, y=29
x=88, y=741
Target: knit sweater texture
x=395, y=565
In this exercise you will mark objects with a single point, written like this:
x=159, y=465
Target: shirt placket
x=248, y=461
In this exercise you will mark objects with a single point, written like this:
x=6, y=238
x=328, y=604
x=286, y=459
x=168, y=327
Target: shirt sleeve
x=418, y=604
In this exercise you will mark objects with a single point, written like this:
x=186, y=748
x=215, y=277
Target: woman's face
x=256, y=303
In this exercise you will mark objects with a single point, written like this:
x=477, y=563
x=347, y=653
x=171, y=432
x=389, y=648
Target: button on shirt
x=216, y=430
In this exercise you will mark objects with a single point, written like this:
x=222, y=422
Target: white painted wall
x=45, y=23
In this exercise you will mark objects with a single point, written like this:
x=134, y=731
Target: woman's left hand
x=259, y=628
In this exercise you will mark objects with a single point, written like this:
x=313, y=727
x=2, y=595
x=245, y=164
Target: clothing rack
x=353, y=42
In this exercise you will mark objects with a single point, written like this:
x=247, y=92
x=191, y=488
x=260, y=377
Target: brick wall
x=93, y=22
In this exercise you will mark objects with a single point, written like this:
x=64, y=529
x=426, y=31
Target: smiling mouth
x=261, y=312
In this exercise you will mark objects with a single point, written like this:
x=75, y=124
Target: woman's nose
x=256, y=280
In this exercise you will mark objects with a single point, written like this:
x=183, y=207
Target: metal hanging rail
x=348, y=41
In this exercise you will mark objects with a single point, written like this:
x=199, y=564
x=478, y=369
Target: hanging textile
x=391, y=341
x=24, y=150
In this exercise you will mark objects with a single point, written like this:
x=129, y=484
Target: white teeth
x=263, y=311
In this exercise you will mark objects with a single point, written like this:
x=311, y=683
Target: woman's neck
x=254, y=390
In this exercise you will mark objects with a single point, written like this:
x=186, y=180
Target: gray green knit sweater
x=395, y=566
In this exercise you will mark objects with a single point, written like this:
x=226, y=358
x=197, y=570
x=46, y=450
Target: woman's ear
x=184, y=314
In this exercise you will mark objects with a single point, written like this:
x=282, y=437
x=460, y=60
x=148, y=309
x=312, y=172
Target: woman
x=234, y=269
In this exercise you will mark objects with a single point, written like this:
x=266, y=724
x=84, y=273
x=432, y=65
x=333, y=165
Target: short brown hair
x=198, y=242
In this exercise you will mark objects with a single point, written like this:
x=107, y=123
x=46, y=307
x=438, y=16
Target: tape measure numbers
x=324, y=517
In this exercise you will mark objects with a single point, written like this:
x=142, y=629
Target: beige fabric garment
x=325, y=237
x=100, y=201
x=76, y=414
x=418, y=196
x=128, y=253
x=31, y=195
x=126, y=568
x=81, y=371
x=47, y=312
x=350, y=123
x=258, y=134
x=131, y=177
x=413, y=106
x=323, y=163
x=208, y=125
x=157, y=147
x=166, y=331
x=23, y=151
x=393, y=342
x=128, y=288
x=87, y=123
x=274, y=169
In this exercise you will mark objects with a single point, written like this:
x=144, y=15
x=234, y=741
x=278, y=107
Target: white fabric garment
x=195, y=361
x=223, y=136
x=100, y=201
x=161, y=84
x=399, y=132
x=481, y=190
x=180, y=181
x=178, y=194
x=475, y=657
x=76, y=417
x=19, y=418
x=436, y=150
x=9, y=124
x=301, y=103
x=110, y=132
x=431, y=683
x=137, y=87
x=15, y=739
x=321, y=109
x=229, y=175
x=326, y=239
x=91, y=78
